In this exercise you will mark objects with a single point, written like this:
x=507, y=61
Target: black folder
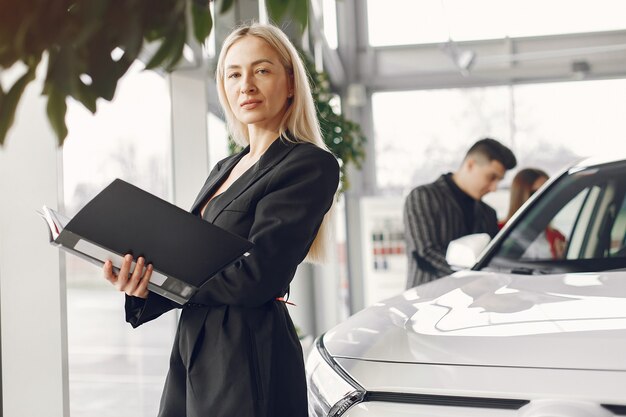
x=185, y=250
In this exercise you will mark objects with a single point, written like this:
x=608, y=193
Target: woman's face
x=256, y=83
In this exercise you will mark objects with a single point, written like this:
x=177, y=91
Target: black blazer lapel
x=274, y=154
x=214, y=179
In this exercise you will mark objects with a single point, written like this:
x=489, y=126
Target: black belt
x=194, y=306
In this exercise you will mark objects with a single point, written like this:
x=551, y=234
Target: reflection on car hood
x=569, y=321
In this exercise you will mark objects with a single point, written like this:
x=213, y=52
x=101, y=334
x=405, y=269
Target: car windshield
x=577, y=225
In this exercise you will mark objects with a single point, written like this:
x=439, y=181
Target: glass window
x=401, y=22
x=329, y=15
x=566, y=218
x=556, y=123
x=128, y=138
x=421, y=134
x=115, y=370
x=549, y=242
x=573, y=226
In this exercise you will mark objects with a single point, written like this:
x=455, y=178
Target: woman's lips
x=250, y=104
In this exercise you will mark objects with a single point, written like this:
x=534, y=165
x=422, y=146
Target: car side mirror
x=463, y=252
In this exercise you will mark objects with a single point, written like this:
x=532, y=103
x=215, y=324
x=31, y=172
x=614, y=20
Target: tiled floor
x=114, y=370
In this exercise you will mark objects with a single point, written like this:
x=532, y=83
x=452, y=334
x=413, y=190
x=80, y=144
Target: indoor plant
x=90, y=44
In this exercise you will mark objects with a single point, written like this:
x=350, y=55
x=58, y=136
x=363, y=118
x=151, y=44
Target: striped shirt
x=432, y=219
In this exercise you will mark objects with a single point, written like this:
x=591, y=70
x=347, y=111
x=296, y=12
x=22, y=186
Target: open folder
x=184, y=250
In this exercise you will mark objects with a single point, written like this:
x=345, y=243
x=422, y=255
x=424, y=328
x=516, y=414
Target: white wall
x=32, y=289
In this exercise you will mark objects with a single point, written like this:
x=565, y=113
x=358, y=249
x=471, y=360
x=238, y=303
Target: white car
x=533, y=329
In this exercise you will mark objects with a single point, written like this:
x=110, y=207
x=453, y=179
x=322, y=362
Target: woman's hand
x=135, y=284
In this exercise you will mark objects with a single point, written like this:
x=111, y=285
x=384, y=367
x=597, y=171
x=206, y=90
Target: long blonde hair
x=300, y=118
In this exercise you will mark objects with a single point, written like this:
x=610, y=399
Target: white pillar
x=190, y=154
x=32, y=288
x=327, y=286
x=302, y=294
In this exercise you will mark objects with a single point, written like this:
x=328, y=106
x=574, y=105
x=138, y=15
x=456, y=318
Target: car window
x=618, y=233
x=577, y=224
x=584, y=215
x=550, y=242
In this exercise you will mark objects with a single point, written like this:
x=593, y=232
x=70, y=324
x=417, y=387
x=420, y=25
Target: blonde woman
x=236, y=352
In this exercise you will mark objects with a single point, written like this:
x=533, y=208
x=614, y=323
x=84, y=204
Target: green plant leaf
x=86, y=96
x=10, y=100
x=202, y=21
x=276, y=9
x=104, y=73
x=343, y=137
x=61, y=70
x=95, y=61
x=165, y=51
x=88, y=17
x=300, y=12
x=131, y=33
x=177, y=52
x=56, y=109
x=20, y=37
x=226, y=5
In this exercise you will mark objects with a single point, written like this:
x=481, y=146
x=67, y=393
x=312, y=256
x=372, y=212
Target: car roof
x=600, y=159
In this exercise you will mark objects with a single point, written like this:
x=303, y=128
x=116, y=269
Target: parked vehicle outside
x=536, y=327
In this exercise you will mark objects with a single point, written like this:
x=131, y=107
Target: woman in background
x=236, y=352
x=525, y=183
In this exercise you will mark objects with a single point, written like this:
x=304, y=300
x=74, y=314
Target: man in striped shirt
x=451, y=207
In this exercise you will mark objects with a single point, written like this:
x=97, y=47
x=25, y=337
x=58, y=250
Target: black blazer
x=236, y=352
x=432, y=219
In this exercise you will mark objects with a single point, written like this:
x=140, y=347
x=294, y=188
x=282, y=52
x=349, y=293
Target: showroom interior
x=422, y=81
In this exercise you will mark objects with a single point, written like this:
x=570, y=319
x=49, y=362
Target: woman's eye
x=233, y=75
x=262, y=71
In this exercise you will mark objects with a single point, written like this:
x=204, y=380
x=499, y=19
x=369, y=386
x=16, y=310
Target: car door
x=577, y=224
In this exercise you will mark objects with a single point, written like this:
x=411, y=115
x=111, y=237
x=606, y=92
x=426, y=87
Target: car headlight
x=331, y=390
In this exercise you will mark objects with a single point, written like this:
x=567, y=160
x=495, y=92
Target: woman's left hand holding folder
x=135, y=284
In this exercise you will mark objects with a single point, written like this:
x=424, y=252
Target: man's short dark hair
x=491, y=149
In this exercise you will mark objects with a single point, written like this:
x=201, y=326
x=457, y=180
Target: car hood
x=569, y=321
